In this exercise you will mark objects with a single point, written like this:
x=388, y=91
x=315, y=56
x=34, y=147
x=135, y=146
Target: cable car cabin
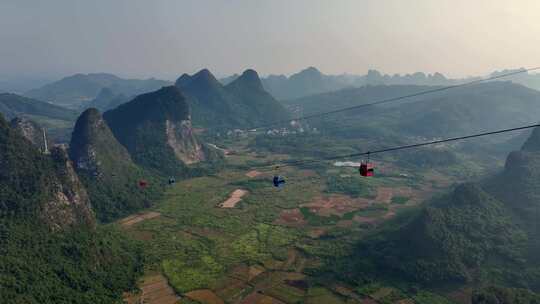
x=366, y=169
x=143, y=184
x=278, y=181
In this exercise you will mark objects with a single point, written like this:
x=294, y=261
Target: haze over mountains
x=74, y=91
x=311, y=81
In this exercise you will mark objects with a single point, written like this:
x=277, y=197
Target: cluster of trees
x=42, y=261
x=80, y=266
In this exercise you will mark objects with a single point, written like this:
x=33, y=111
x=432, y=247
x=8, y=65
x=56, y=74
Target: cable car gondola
x=366, y=167
x=278, y=181
x=143, y=184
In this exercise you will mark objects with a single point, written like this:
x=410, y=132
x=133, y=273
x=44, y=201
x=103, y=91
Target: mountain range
x=241, y=103
x=311, y=81
x=12, y=105
x=77, y=90
x=482, y=107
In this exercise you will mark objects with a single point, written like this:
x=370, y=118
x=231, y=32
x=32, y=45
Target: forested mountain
x=156, y=130
x=74, y=91
x=256, y=104
x=241, y=103
x=309, y=81
x=484, y=233
x=50, y=250
x=32, y=131
x=518, y=185
x=106, y=169
x=12, y=105
x=450, y=242
x=482, y=107
x=107, y=100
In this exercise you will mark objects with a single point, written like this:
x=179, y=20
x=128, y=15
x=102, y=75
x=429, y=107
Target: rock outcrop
x=34, y=183
x=31, y=131
x=156, y=130
x=106, y=168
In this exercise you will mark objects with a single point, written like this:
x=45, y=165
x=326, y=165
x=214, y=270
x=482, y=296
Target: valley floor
x=264, y=246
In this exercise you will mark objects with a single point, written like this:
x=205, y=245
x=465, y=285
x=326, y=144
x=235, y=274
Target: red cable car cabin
x=366, y=169
x=143, y=184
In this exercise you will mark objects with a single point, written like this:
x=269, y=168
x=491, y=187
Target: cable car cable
x=397, y=148
x=394, y=99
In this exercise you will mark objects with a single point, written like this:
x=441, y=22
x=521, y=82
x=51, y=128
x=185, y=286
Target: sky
x=165, y=38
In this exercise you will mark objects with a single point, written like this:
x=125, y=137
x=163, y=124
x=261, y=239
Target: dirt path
x=236, y=196
x=136, y=218
x=154, y=290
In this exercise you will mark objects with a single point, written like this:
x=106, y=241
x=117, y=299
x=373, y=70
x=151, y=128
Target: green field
x=198, y=245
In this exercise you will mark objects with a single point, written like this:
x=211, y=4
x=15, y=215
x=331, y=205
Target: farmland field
x=270, y=246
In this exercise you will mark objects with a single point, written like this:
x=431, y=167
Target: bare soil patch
x=336, y=205
x=204, y=296
x=136, y=218
x=253, y=173
x=291, y=218
x=316, y=233
x=259, y=298
x=154, y=290
x=230, y=289
x=254, y=271
x=236, y=196
x=384, y=195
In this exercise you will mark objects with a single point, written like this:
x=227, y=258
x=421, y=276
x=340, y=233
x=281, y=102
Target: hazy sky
x=164, y=38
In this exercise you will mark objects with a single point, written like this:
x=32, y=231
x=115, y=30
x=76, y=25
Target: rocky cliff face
x=33, y=184
x=69, y=205
x=93, y=147
x=106, y=168
x=181, y=139
x=31, y=131
x=156, y=130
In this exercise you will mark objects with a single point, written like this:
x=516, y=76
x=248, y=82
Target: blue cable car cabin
x=278, y=181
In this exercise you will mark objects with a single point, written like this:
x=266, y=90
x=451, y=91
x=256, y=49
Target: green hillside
x=481, y=107
x=479, y=235
x=255, y=104
x=50, y=251
x=240, y=104
x=463, y=237
x=156, y=130
x=107, y=171
x=56, y=120
x=106, y=100
x=12, y=105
